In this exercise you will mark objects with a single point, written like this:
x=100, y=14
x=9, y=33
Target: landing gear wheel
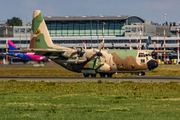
x=86, y=75
x=109, y=75
x=141, y=73
x=102, y=74
x=93, y=75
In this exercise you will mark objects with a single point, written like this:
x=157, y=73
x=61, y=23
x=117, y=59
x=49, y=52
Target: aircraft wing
x=45, y=52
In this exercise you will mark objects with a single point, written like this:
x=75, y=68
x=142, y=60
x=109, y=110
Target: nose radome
x=152, y=64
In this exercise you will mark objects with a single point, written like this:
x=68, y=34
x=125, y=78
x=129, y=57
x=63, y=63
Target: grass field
x=58, y=71
x=89, y=100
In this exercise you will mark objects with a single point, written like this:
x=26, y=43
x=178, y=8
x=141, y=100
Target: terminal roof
x=77, y=18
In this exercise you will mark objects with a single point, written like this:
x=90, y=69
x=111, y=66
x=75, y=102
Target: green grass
x=89, y=100
x=58, y=71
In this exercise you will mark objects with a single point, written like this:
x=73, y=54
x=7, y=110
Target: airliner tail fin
x=11, y=45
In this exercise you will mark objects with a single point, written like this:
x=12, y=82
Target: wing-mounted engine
x=82, y=54
x=14, y=54
x=153, y=54
x=98, y=54
x=79, y=53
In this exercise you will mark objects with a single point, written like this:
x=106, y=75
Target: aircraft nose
x=152, y=64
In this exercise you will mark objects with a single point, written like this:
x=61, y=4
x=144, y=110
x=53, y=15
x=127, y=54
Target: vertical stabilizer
x=40, y=38
x=11, y=45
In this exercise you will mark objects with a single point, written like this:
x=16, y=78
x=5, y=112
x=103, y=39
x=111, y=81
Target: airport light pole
x=165, y=18
x=6, y=41
x=103, y=35
x=130, y=42
x=91, y=33
x=137, y=42
x=140, y=37
x=164, y=38
x=157, y=45
x=178, y=46
x=164, y=44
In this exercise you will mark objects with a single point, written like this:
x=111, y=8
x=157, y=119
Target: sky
x=149, y=10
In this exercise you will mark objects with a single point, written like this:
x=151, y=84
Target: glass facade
x=86, y=28
x=90, y=27
x=16, y=30
x=133, y=20
x=133, y=29
x=22, y=30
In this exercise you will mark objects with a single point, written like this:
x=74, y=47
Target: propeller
x=80, y=54
x=98, y=54
x=153, y=54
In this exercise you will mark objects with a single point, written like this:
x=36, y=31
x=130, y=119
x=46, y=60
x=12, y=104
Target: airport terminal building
x=89, y=25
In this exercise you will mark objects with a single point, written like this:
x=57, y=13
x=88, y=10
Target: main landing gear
x=104, y=74
x=92, y=75
x=141, y=73
x=101, y=75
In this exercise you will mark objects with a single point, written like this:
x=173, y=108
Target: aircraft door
x=111, y=62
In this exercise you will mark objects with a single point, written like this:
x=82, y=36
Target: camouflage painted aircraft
x=88, y=61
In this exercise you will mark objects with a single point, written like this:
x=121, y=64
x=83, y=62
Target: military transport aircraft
x=88, y=61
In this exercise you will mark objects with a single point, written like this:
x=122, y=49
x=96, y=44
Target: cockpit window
x=148, y=55
x=141, y=55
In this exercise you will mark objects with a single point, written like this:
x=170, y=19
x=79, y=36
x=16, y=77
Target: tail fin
x=40, y=38
x=11, y=45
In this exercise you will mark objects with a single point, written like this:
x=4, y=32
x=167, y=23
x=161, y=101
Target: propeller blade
x=104, y=56
x=77, y=59
x=97, y=61
x=154, y=53
x=99, y=54
x=84, y=57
